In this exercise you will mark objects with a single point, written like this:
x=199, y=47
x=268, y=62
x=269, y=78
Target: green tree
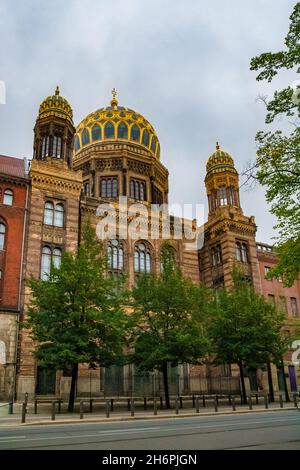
x=75, y=315
x=277, y=166
x=245, y=329
x=168, y=320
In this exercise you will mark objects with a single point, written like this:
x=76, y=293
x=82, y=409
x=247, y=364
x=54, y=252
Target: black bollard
x=11, y=408
x=112, y=404
x=132, y=407
x=193, y=398
x=81, y=409
x=266, y=402
x=154, y=406
x=53, y=411
x=91, y=405
x=256, y=396
x=145, y=403
x=128, y=404
x=295, y=398
x=107, y=408
x=203, y=401
x=59, y=405
x=35, y=406
x=280, y=401
x=161, y=403
x=23, y=413
x=176, y=406
x=197, y=404
x=250, y=402
x=180, y=401
x=216, y=404
x=233, y=403
x=229, y=400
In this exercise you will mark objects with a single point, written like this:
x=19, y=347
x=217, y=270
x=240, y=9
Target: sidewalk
x=44, y=416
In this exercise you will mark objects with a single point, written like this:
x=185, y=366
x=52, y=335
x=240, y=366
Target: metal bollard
x=132, y=407
x=23, y=413
x=11, y=408
x=197, y=404
x=112, y=404
x=26, y=398
x=229, y=400
x=128, y=404
x=295, y=399
x=233, y=403
x=81, y=409
x=107, y=408
x=256, y=396
x=176, y=406
x=53, y=411
x=180, y=401
x=155, y=406
x=161, y=403
x=193, y=398
x=145, y=403
x=250, y=402
x=280, y=401
x=35, y=406
x=59, y=405
x=217, y=398
x=266, y=402
x=91, y=405
x=216, y=404
x=203, y=401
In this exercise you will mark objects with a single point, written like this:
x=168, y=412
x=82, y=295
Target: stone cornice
x=55, y=176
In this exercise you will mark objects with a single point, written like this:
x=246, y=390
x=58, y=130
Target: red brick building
x=14, y=188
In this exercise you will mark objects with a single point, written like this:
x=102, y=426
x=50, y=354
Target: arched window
x=223, y=196
x=138, y=190
x=76, y=143
x=2, y=235
x=56, y=151
x=122, y=131
x=238, y=251
x=46, y=263
x=153, y=144
x=115, y=254
x=96, y=132
x=231, y=196
x=59, y=215
x=142, y=259
x=135, y=133
x=109, y=187
x=244, y=250
x=48, y=213
x=109, y=131
x=85, y=137
x=8, y=197
x=146, y=138
x=216, y=255
x=45, y=146
x=56, y=257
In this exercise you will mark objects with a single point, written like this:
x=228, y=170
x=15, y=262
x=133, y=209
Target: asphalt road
x=270, y=430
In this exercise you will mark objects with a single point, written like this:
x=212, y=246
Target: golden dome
x=118, y=124
x=56, y=105
x=220, y=161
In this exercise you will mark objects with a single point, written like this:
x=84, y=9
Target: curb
x=140, y=418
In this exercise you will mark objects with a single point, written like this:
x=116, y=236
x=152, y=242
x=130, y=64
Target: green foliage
x=245, y=328
x=278, y=157
x=75, y=315
x=168, y=320
x=270, y=63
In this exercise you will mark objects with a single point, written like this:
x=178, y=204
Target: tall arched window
x=135, y=133
x=45, y=146
x=153, y=144
x=56, y=257
x=46, y=263
x=2, y=235
x=122, y=131
x=76, y=143
x=109, y=187
x=138, y=190
x=59, y=215
x=49, y=255
x=115, y=254
x=85, y=137
x=109, y=131
x=56, y=150
x=238, y=252
x=8, y=197
x=146, y=138
x=96, y=132
x=244, y=253
x=48, y=213
x=241, y=250
x=223, y=196
x=142, y=259
x=216, y=255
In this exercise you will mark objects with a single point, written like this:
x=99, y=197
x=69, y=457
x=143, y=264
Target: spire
x=217, y=146
x=57, y=91
x=114, y=101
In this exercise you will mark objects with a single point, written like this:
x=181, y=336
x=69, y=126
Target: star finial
x=217, y=146
x=114, y=101
x=57, y=91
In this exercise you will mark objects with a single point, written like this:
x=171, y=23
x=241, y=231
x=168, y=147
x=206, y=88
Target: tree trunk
x=270, y=380
x=244, y=397
x=166, y=385
x=73, y=387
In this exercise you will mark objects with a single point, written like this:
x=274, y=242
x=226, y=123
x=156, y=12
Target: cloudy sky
x=184, y=64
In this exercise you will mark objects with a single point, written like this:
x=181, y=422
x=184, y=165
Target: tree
x=277, y=166
x=168, y=320
x=245, y=329
x=75, y=315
